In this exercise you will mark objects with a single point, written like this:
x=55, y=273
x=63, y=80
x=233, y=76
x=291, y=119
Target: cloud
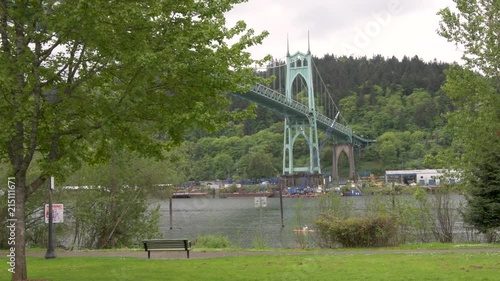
x=355, y=27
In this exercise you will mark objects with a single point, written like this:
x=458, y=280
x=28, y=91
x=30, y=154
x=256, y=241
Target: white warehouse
x=426, y=177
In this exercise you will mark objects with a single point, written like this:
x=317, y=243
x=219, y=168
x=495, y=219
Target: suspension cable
x=329, y=94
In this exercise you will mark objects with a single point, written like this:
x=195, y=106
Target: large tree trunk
x=20, y=270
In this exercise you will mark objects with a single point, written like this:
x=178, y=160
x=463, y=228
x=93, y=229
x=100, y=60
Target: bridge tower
x=299, y=65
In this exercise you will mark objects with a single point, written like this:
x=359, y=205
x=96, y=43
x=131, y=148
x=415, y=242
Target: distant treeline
x=348, y=74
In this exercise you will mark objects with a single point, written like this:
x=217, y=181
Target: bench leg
x=188, y=254
x=149, y=254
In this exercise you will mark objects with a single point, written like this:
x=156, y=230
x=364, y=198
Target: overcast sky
x=352, y=27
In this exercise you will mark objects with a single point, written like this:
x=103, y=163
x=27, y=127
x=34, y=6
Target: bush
x=212, y=241
x=367, y=231
x=102, y=219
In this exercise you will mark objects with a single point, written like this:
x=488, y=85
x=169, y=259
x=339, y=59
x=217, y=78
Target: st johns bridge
x=299, y=94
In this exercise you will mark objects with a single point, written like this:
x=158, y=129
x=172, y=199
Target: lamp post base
x=50, y=254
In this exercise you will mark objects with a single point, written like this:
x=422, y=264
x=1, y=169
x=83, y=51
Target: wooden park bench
x=167, y=245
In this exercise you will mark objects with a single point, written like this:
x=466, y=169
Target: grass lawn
x=307, y=266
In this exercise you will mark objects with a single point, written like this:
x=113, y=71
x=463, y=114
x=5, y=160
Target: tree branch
x=122, y=215
x=47, y=52
x=39, y=181
x=36, y=117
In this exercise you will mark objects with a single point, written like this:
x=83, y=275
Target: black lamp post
x=51, y=254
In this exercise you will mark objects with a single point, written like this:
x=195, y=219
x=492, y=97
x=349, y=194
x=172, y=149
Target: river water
x=235, y=218
x=244, y=224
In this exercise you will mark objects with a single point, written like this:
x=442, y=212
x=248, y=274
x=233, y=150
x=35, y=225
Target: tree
x=349, y=108
x=110, y=206
x=80, y=76
x=475, y=92
x=256, y=164
x=224, y=166
x=421, y=107
x=484, y=202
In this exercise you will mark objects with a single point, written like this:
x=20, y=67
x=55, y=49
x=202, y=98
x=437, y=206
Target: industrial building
x=427, y=177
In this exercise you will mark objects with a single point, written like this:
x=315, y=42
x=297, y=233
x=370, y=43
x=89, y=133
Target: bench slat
x=167, y=245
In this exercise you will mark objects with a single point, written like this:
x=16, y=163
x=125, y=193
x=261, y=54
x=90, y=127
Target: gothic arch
x=348, y=148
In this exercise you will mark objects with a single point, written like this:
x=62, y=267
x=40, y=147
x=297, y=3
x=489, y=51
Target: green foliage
x=418, y=219
x=224, y=166
x=474, y=125
x=105, y=220
x=88, y=215
x=474, y=27
x=114, y=77
x=336, y=206
x=350, y=74
x=256, y=165
x=212, y=242
x=423, y=217
x=414, y=215
x=483, y=210
x=474, y=91
x=234, y=157
x=81, y=79
x=377, y=230
x=110, y=208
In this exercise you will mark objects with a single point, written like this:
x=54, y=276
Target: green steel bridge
x=300, y=96
x=290, y=108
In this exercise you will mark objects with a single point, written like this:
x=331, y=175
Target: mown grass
x=285, y=266
x=419, y=246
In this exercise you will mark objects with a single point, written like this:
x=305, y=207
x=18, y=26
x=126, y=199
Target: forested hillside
x=346, y=74
x=397, y=102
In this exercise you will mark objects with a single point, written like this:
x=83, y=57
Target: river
x=235, y=218
x=244, y=224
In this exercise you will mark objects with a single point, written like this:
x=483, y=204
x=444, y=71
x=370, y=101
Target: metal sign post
x=50, y=254
x=260, y=202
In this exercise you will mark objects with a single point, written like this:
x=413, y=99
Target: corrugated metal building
x=426, y=177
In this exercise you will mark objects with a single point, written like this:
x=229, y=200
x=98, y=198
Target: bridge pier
x=348, y=148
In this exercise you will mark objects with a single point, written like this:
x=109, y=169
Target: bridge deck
x=279, y=103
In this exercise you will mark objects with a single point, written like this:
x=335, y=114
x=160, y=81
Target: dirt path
x=219, y=254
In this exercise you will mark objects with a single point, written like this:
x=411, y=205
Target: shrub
x=378, y=230
x=212, y=241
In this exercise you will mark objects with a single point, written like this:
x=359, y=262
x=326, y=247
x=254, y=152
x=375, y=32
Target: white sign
x=57, y=213
x=263, y=201
x=260, y=202
x=256, y=202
